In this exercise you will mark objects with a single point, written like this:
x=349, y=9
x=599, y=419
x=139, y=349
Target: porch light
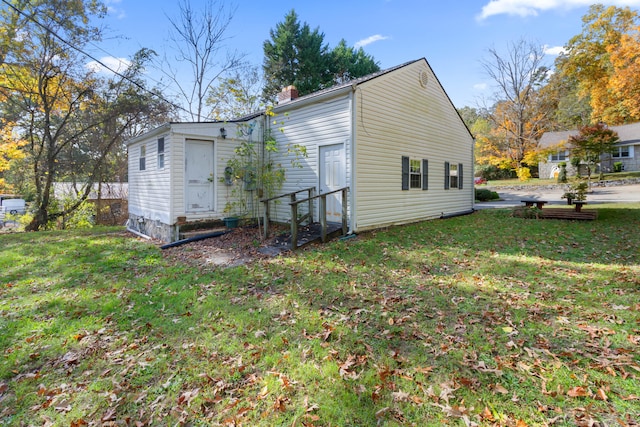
x=223, y=133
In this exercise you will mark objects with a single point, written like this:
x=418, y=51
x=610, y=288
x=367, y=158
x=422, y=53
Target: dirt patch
x=236, y=247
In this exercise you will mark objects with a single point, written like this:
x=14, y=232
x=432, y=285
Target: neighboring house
x=627, y=151
x=393, y=138
x=110, y=199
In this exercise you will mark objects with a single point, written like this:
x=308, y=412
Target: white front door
x=199, y=191
x=332, y=177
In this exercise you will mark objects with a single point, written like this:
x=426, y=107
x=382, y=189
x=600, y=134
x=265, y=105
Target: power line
x=88, y=55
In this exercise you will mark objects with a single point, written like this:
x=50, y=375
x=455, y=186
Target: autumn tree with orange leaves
x=603, y=59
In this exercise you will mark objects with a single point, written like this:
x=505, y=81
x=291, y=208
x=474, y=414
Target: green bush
x=617, y=167
x=484, y=195
x=492, y=173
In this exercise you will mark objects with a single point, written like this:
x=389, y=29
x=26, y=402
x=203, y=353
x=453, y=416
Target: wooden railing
x=292, y=196
x=295, y=221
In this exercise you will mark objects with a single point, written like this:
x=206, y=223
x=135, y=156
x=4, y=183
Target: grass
x=484, y=319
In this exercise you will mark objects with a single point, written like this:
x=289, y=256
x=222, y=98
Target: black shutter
x=405, y=173
x=446, y=175
x=460, y=176
x=425, y=174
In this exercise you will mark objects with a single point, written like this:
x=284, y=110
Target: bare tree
x=198, y=37
x=516, y=113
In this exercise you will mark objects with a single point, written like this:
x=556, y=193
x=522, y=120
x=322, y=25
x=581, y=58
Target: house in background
x=393, y=139
x=109, y=199
x=627, y=151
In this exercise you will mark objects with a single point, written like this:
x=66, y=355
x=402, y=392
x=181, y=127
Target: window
x=558, y=156
x=453, y=175
x=619, y=152
x=415, y=173
x=415, y=177
x=143, y=157
x=160, y=153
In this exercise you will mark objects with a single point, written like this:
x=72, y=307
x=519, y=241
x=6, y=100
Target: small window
x=414, y=173
x=620, y=152
x=143, y=157
x=453, y=175
x=559, y=156
x=160, y=153
x=415, y=176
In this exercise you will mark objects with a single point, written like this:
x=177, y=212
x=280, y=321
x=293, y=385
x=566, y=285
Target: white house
x=175, y=175
x=393, y=138
x=627, y=150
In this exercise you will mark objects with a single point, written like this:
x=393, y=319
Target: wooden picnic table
x=530, y=202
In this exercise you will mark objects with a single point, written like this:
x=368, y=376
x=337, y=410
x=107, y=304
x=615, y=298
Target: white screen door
x=332, y=177
x=199, y=190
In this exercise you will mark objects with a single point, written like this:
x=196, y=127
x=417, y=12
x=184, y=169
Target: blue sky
x=452, y=35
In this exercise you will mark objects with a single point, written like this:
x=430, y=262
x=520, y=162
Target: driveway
x=611, y=194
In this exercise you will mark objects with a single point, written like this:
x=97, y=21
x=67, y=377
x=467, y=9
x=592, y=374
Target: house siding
x=149, y=189
x=157, y=196
x=312, y=126
x=397, y=117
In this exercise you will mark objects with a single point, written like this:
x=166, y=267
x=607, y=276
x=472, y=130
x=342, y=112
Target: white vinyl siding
x=159, y=194
x=397, y=117
x=312, y=126
x=149, y=188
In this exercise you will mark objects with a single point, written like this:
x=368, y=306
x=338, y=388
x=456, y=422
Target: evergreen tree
x=296, y=55
x=348, y=63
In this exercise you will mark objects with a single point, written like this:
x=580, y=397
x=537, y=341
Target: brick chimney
x=287, y=94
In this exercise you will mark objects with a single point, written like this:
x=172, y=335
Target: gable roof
x=629, y=135
x=347, y=84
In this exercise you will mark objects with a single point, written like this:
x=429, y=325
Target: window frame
x=412, y=177
x=453, y=175
x=619, y=151
x=415, y=173
x=558, y=157
x=143, y=158
x=161, y=148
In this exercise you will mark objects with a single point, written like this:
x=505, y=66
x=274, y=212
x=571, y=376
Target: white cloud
x=116, y=64
x=533, y=7
x=369, y=40
x=115, y=11
x=553, y=50
x=480, y=86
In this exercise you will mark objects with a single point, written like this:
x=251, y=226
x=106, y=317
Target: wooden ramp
x=555, y=213
x=308, y=234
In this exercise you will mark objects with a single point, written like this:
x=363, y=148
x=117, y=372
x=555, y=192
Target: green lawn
x=482, y=320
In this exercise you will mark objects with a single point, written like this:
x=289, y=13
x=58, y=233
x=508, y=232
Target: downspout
x=352, y=160
x=473, y=174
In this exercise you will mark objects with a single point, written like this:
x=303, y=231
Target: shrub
x=484, y=195
x=524, y=174
x=617, y=167
x=492, y=173
x=562, y=175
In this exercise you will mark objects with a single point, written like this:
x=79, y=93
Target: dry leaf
x=498, y=388
x=486, y=414
x=601, y=395
x=578, y=392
